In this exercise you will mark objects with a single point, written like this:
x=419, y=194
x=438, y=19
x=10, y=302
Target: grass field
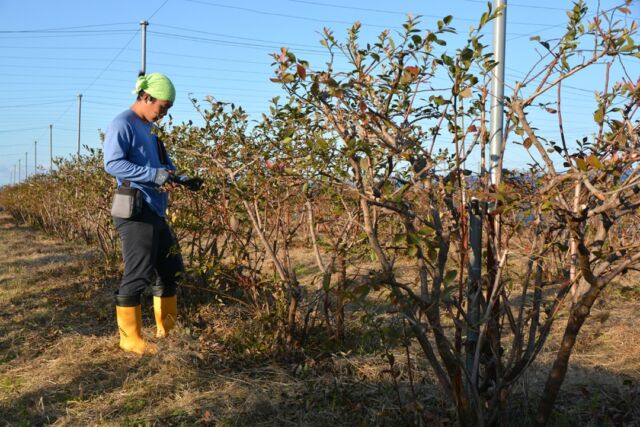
x=60, y=363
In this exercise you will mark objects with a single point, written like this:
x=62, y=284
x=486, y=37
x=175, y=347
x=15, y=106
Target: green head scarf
x=157, y=85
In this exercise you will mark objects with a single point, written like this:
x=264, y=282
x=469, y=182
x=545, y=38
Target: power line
x=32, y=105
x=282, y=15
x=18, y=130
x=233, y=36
x=229, y=43
x=93, y=48
x=100, y=33
x=68, y=28
x=395, y=12
x=521, y=5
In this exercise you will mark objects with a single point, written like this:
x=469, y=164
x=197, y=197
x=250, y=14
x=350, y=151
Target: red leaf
x=412, y=70
x=301, y=71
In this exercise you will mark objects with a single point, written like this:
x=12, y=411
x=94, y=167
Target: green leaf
x=483, y=19
x=412, y=251
x=432, y=254
x=399, y=238
x=595, y=162
x=413, y=239
x=450, y=276
x=581, y=164
x=598, y=115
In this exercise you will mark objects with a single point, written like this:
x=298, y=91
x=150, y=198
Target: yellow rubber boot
x=130, y=327
x=166, y=314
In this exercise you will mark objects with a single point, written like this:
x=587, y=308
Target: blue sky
x=51, y=51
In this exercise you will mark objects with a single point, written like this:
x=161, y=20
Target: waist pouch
x=127, y=202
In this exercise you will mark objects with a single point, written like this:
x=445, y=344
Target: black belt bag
x=127, y=202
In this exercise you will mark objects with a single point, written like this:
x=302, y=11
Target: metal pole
x=26, y=170
x=19, y=170
x=50, y=148
x=143, y=25
x=497, y=92
x=35, y=157
x=475, y=275
x=79, y=120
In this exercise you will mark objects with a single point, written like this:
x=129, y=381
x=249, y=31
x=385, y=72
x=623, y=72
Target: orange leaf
x=412, y=70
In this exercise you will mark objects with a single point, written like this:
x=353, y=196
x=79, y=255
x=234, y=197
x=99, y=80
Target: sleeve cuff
x=161, y=176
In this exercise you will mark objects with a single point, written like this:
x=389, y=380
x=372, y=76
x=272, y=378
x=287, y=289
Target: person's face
x=155, y=109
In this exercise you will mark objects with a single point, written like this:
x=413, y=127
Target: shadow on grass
x=52, y=401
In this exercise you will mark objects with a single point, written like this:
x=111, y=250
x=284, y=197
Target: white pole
x=50, y=148
x=143, y=25
x=79, y=120
x=497, y=92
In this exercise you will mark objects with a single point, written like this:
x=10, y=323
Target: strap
x=162, y=152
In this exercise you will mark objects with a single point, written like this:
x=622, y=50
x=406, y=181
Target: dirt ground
x=60, y=363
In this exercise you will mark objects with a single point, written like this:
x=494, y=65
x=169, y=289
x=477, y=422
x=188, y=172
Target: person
x=135, y=156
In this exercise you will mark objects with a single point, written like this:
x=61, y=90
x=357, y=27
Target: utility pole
x=497, y=92
x=478, y=208
x=35, y=157
x=50, y=148
x=19, y=170
x=143, y=26
x=79, y=120
x=26, y=170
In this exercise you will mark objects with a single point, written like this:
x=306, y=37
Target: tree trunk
x=579, y=314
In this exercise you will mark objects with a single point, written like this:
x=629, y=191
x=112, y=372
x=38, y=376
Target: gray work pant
x=149, y=249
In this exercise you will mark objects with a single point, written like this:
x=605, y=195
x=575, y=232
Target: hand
x=193, y=184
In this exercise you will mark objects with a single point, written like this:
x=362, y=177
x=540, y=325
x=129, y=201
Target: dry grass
x=60, y=364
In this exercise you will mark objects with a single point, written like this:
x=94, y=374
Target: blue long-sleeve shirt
x=132, y=153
